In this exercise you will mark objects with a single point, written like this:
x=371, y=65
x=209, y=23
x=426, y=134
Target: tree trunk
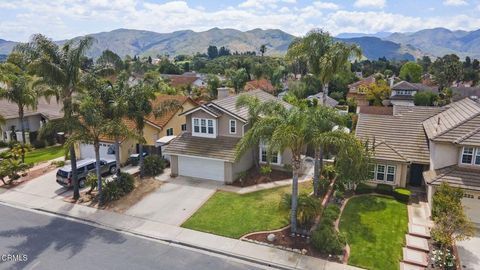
x=140, y=161
x=96, y=146
x=325, y=93
x=293, y=211
x=316, y=172
x=22, y=125
x=117, y=156
x=73, y=163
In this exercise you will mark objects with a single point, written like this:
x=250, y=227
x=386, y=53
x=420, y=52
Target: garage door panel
x=87, y=151
x=472, y=208
x=201, y=168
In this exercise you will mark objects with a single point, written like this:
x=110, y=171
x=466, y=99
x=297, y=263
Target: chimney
x=391, y=79
x=223, y=92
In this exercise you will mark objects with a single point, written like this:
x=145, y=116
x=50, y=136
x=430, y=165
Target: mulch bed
x=30, y=175
x=283, y=238
x=254, y=177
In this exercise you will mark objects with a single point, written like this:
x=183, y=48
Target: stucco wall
x=177, y=121
x=401, y=173
x=174, y=165
x=243, y=164
x=443, y=155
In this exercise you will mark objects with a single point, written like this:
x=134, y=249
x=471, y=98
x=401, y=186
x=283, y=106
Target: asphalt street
x=31, y=240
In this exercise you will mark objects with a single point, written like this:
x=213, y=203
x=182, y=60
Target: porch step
x=418, y=230
x=407, y=266
x=416, y=242
x=415, y=257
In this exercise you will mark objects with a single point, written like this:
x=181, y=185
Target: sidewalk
x=226, y=246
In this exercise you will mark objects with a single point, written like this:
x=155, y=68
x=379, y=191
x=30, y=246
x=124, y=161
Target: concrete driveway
x=175, y=201
x=469, y=252
x=45, y=186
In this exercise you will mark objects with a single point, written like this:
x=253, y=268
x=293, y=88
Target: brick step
x=408, y=266
x=418, y=230
x=415, y=257
x=415, y=242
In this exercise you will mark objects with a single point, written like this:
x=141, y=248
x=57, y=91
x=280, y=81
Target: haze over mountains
x=400, y=46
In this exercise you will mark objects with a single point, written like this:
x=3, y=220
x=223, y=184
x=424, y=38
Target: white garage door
x=472, y=207
x=201, y=168
x=87, y=151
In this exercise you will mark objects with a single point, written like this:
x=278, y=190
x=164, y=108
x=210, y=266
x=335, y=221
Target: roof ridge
x=448, y=169
x=468, y=135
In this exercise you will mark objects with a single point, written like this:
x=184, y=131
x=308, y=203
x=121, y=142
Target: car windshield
x=62, y=173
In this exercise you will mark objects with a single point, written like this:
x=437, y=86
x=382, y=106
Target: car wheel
x=113, y=170
x=81, y=183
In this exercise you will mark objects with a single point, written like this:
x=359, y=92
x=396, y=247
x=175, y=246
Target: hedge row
x=401, y=194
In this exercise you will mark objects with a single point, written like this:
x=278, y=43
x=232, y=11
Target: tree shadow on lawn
x=353, y=224
x=59, y=234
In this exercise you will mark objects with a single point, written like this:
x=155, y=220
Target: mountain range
x=400, y=46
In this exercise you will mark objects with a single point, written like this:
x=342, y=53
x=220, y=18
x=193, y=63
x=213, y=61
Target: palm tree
x=60, y=69
x=322, y=120
x=324, y=57
x=263, y=49
x=19, y=88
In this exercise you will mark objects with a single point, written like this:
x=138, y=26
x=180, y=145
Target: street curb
x=168, y=241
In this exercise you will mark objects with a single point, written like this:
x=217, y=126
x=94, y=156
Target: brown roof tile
x=263, y=84
x=462, y=177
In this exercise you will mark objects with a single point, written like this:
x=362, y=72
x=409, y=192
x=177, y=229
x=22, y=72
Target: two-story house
x=403, y=92
x=206, y=150
x=357, y=90
x=425, y=146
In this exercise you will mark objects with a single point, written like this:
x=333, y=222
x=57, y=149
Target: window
x=477, y=157
x=274, y=159
x=204, y=127
x=467, y=155
x=390, y=173
x=380, y=172
x=403, y=92
x=233, y=126
x=184, y=127
x=170, y=132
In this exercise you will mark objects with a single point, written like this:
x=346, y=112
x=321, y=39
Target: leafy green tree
x=446, y=70
x=109, y=63
x=167, y=67
x=212, y=52
x=60, y=69
x=213, y=83
x=238, y=79
x=425, y=62
x=377, y=92
x=425, y=98
x=411, y=72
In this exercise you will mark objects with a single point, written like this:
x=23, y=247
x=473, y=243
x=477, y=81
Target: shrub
x=91, y=181
x=111, y=191
x=153, y=165
x=339, y=194
x=307, y=210
x=330, y=214
x=58, y=163
x=329, y=172
x=363, y=189
x=3, y=144
x=126, y=182
x=266, y=170
x=402, y=194
x=384, y=189
x=327, y=240
x=38, y=144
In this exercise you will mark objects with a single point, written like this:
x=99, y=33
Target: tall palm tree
x=322, y=121
x=19, y=88
x=324, y=57
x=60, y=68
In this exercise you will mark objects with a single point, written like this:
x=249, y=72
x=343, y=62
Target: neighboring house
x=379, y=110
x=425, y=146
x=171, y=124
x=357, y=90
x=47, y=110
x=403, y=92
x=207, y=149
x=463, y=92
x=262, y=84
x=185, y=80
x=329, y=102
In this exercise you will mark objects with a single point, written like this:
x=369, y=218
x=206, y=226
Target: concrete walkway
x=172, y=234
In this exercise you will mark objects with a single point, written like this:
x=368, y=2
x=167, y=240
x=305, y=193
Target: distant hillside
x=441, y=41
x=147, y=43
x=357, y=35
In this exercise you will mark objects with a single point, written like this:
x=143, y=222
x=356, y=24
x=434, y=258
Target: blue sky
x=61, y=19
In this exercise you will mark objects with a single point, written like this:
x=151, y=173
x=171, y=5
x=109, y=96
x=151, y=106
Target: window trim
x=234, y=126
x=183, y=127
x=263, y=148
x=206, y=127
x=472, y=155
x=167, y=131
x=385, y=173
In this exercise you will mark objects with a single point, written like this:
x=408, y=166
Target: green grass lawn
x=375, y=228
x=234, y=215
x=44, y=154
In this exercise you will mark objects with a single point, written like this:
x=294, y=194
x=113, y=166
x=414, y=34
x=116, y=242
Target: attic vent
x=439, y=121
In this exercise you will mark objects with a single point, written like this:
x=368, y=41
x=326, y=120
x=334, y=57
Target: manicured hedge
x=402, y=194
x=384, y=189
x=363, y=189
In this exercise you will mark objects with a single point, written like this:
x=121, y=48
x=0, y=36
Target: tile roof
x=379, y=110
x=181, y=80
x=463, y=92
x=404, y=85
x=263, y=84
x=449, y=121
x=467, y=178
x=229, y=103
x=329, y=101
x=48, y=108
x=363, y=82
x=222, y=148
x=401, y=133
x=162, y=121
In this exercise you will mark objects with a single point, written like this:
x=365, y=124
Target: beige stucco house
x=206, y=150
x=171, y=124
x=426, y=146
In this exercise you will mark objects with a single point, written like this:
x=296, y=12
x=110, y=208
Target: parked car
x=133, y=159
x=64, y=174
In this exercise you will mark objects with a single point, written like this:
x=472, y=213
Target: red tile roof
x=263, y=84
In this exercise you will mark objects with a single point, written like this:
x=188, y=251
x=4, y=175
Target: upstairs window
x=170, y=132
x=467, y=155
x=184, y=127
x=204, y=127
x=233, y=126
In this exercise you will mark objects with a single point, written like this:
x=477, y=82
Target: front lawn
x=234, y=215
x=44, y=154
x=375, y=228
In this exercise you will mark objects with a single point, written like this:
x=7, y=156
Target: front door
x=416, y=175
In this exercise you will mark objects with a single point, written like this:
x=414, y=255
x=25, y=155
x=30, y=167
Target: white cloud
x=370, y=3
x=455, y=2
x=326, y=5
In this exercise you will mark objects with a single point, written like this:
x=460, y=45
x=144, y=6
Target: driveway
x=469, y=252
x=175, y=201
x=45, y=186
